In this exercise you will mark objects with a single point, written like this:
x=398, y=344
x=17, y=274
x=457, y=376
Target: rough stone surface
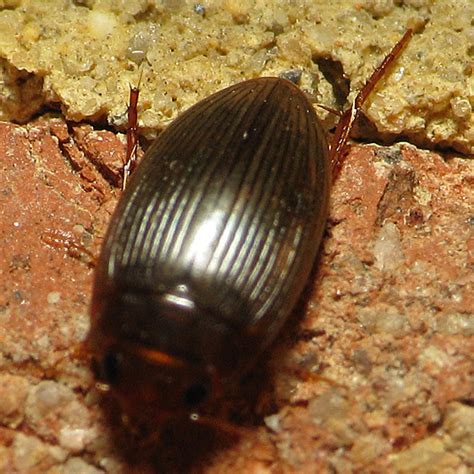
x=82, y=56
x=54, y=412
x=373, y=373
x=13, y=393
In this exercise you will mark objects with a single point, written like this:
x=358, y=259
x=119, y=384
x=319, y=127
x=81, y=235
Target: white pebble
x=54, y=297
x=388, y=251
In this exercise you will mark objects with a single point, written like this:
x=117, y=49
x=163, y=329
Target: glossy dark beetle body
x=210, y=245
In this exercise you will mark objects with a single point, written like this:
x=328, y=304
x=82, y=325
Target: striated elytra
x=210, y=246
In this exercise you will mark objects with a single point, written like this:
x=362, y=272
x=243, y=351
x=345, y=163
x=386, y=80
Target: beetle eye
x=109, y=369
x=195, y=394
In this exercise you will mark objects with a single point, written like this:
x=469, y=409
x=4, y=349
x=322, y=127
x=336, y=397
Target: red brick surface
x=388, y=319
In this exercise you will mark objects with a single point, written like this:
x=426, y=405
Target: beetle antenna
x=347, y=120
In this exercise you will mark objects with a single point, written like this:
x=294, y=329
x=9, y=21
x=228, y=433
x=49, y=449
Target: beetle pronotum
x=212, y=243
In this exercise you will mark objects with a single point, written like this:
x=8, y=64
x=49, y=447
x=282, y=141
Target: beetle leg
x=132, y=136
x=347, y=120
x=69, y=243
x=131, y=159
x=219, y=425
x=330, y=110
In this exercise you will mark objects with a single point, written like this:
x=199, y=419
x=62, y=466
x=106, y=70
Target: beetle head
x=148, y=382
x=157, y=350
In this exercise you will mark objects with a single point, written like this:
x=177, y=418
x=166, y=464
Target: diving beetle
x=212, y=244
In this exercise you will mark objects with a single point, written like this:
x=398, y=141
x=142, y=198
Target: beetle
x=212, y=244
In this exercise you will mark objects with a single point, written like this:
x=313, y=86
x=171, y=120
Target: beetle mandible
x=212, y=243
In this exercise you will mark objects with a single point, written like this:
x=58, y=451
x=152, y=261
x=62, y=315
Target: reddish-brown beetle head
x=162, y=353
x=151, y=383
